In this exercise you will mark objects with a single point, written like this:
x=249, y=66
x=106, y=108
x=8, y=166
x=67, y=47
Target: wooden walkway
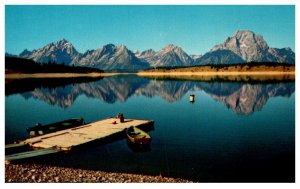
x=69, y=138
x=29, y=154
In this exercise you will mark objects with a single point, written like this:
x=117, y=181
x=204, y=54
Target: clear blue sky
x=194, y=28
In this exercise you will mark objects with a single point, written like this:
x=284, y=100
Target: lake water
x=233, y=132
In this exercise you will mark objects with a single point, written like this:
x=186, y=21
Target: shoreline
x=54, y=75
x=157, y=73
x=223, y=76
x=235, y=73
x=37, y=173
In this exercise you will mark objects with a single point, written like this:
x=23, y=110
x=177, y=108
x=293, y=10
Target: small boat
x=137, y=136
x=38, y=129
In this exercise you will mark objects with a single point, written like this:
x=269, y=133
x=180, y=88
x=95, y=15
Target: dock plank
x=15, y=148
x=30, y=154
x=73, y=137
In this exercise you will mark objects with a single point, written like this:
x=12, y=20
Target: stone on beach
x=31, y=173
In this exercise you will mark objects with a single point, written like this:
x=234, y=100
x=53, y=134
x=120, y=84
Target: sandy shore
x=32, y=173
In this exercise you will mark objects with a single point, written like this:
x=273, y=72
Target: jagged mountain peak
x=59, y=45
x=170, y=47
x=122, y=49
x=243, y=35
x=63, y=43
x=170, y=55
x=109, y=47
x=60, y=52
x=88, y=52
x=63, y=40
x=25, y=53
x=122, y=46
x=111, y=57
x=148, y=52
x=26, y=50
x=243, y=32
x=248, y=45
x=243, y=39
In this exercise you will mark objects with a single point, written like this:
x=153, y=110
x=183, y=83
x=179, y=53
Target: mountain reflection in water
x=242, y=98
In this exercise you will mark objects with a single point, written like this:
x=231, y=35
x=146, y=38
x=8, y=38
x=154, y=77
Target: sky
x=195, y=28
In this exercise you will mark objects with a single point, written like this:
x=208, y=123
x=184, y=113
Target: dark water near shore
x=233, y=132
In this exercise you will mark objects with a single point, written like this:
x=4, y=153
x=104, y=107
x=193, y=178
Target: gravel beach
x=36, y=173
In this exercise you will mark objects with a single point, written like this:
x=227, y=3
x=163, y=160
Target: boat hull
x=137, y=136
x=53, y=127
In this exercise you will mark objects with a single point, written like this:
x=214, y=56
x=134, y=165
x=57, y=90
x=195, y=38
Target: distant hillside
x=20, y=65
x=219, y=57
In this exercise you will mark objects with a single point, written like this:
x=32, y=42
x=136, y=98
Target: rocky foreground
x=31, y=173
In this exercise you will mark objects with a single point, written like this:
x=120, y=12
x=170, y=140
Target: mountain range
x=244, y=46
x=169, y=56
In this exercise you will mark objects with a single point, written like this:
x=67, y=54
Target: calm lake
x=233, y=132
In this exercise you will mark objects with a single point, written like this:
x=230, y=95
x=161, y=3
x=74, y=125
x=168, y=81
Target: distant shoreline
x=234, y=69
x=223, y=76
x=55, y=75
x=152, y=73
x=220, y=73
x=259, y=70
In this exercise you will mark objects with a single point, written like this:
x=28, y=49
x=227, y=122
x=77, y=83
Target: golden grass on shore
x=231, y=73
x=209, y=73
x=225, y=70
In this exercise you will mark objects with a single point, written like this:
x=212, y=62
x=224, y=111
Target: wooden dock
x=66, y=140
x=69, y=138
x=30, y=154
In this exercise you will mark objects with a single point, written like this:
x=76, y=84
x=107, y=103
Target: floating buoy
x=192, y=98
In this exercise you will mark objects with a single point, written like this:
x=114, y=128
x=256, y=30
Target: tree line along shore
x=26, y=66
x=15, y=67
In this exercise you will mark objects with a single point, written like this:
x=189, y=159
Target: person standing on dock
x=121, y=117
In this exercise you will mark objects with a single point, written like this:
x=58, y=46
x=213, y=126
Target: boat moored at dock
x=39, y=129
x=138, y=136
